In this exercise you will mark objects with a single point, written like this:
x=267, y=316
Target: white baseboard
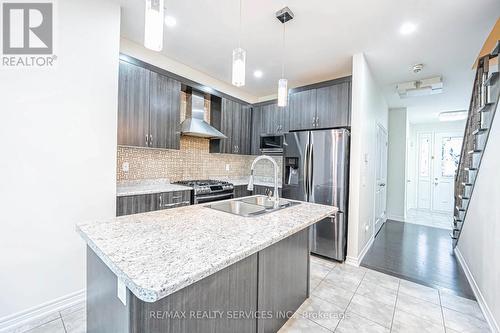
x=37, y=312
x=399, y=218
x=356, y=261
x=477, y=292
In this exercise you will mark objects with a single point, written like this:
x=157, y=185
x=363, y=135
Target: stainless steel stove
x=208, y=190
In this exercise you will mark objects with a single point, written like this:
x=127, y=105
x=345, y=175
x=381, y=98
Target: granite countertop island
x=148, y=186
x=158, y=253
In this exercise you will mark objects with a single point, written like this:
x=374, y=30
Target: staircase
x=483, y=105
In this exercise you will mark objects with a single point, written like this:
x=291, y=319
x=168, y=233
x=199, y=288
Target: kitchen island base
x=256, y=294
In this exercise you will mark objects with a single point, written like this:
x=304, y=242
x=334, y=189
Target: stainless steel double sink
x=252, y=206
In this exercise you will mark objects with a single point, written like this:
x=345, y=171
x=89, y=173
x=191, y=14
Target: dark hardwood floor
x=420, y=254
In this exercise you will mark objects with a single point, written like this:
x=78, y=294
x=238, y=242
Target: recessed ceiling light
x=170, y=21
x=407, y=28
x=258, y=73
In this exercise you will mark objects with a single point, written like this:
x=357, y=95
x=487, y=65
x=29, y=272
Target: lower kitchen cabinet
x=262, y=190
x=142, y=203
x=241, y=191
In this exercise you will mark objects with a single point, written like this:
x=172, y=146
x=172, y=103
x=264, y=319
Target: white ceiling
x=323, y=37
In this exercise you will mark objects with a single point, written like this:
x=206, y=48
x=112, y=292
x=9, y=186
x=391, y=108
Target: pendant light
x=153, y=25
x=284, y=15
x=239, y=60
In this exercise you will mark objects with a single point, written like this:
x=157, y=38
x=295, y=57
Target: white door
x=447, y=148
x=381, y=180
x=424, y=171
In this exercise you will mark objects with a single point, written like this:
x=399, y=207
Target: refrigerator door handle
x=306, y=171
x=311, y=168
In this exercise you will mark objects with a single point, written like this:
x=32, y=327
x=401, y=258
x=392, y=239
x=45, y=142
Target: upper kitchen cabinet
x=273, y=119
x=164, y=112
x=302, y=110
x=148, y=108
x=333, y=107
x=133, y=105
x=324, y=107
x=234, y=120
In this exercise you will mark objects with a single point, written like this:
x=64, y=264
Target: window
x=450, y=155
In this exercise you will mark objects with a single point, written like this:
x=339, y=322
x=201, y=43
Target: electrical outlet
x=125, y=166
x=367, y=227
x=227, y=167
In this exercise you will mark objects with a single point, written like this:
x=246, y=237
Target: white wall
x=58, y=134
x=396, y=166
x=479, y=243
x=433, y=127
x=140, y=52
x=369, y=108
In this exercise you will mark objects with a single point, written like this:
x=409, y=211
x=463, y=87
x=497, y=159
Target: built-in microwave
x=271, y=144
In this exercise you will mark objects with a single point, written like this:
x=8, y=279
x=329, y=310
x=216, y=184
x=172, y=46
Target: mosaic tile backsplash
x=192, y=161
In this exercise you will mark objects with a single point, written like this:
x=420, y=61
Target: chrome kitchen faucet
x=275, y=167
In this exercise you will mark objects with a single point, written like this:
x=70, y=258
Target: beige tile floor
x=344, y=299
x=351, y=299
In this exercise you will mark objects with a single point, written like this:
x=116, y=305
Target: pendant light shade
x=284, y=15
x=239, y=61
x=153, y=26
x=282, y=92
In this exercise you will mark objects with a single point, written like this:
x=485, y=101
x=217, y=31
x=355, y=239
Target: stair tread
x=474, y=151
x=479, y=130
x=491, y=79
x=460, y=209
x=496, y=49
x=485, y=107
x=461, y=196
x=470, y=169
x=467, y=184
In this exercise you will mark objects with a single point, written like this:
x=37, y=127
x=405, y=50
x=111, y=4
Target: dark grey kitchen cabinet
x=133, y=105
x=333, y=107
x=148, y=108
x=164, y=112
x=257, y=129
x=235, y=121
x=263, y=190
x=241, y=191
x=324, y=107
x=134, y=204
x=283, y=269
x=267, y=119
x=273, y=119
x=302, y=110
x=242, y=127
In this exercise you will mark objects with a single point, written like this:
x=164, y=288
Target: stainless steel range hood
x=195, y=124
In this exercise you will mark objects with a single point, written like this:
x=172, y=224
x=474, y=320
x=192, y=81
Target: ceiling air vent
x=431, y=86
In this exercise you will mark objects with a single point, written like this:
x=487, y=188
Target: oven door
x=213, y=197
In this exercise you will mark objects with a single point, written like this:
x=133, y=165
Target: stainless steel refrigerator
x=316, y=169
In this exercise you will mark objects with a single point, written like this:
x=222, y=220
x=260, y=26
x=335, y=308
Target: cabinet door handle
x=160, y=200
x=317, y=121
x=177, y=197
x=176, y=204
x=147, y=140
x=151, y=140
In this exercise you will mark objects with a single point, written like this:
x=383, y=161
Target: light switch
x=227, y=167
x=125, y=166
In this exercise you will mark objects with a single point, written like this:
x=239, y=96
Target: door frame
x=379, y=126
